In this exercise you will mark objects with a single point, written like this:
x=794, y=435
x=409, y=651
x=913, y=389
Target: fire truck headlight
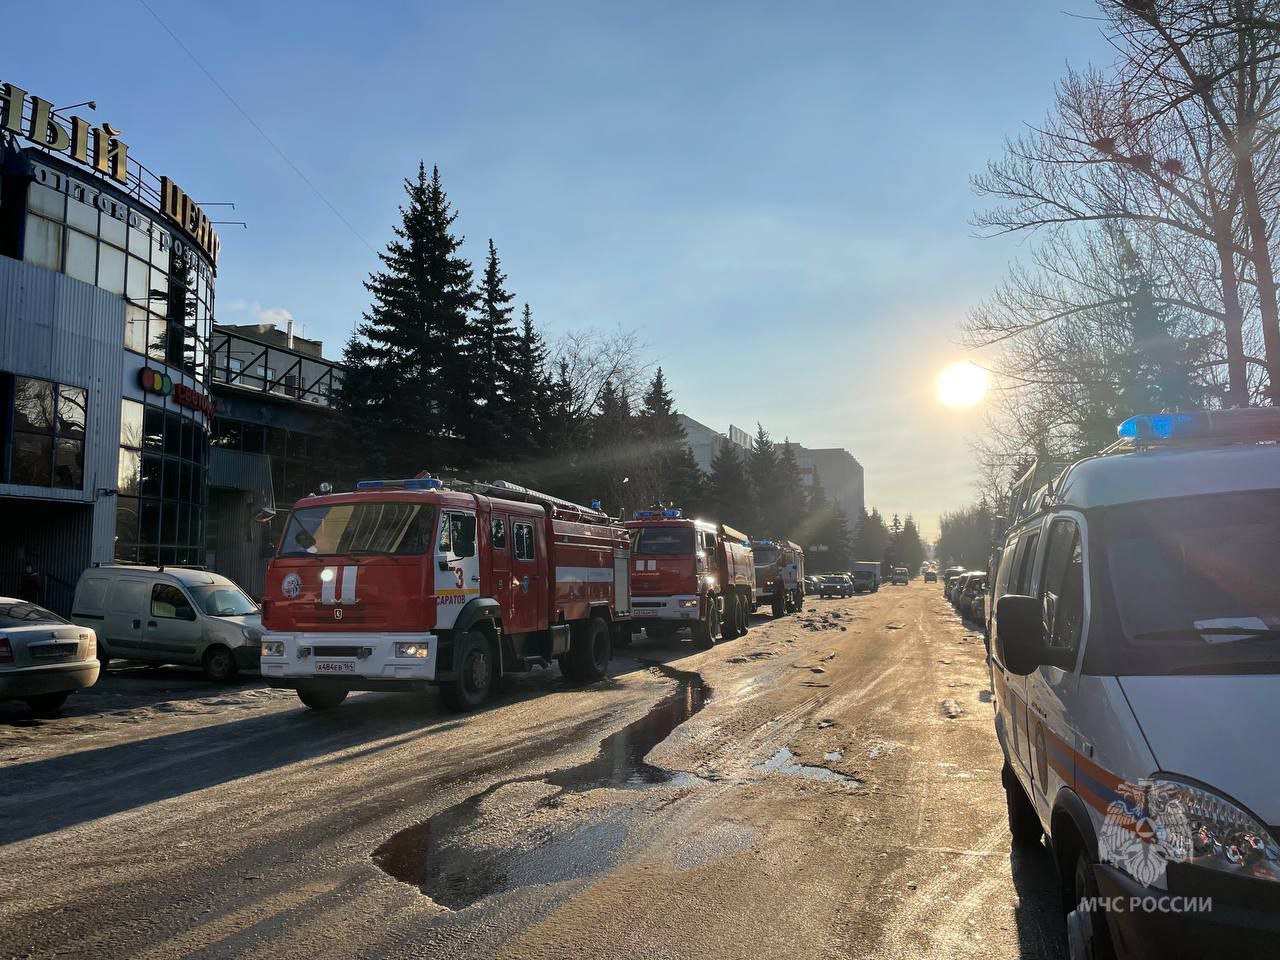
x=273, y=648
x=690, y=602
x=414, y=650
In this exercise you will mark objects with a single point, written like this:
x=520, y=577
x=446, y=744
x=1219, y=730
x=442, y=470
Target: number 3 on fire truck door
x=457, y=566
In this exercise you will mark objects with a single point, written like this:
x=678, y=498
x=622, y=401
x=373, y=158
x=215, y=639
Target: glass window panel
x=83, y=216
x=297, y=444
x=135, y=328
x=254, y=438
x=112, y=230
x=82, y=256
x=33, y=405
x=43, y=245
x=153, y=429
x=138, y=290
x=149, y=522
x=184, y=491
x=172, y=479
x=148, y=553
x=160, y=251
x=157, y=339
x=126, y=523
x=275, y=442
x=168, y=555
x=128, y=476
x=172, y=434
x=158, y=294
x=188, y=438
x=140, y=240
x=182, y=525
x=72, y=404
x=152, y=468
x=46, y=201
x=68, y=464
x=130, y=424
x=169, y=522
x=110, y=267
x=226, y=434
x=32, y=459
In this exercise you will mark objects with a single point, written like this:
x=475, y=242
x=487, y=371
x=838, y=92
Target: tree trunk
x=1233, y=320
x=1265, y=275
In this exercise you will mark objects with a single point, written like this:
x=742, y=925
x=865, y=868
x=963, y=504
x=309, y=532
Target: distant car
x=931, y=576
x=43, y=658
x=170, y=615
x=975, y=586
x=901, y=576
x=957, y=587
x=978, y=611
x=812, y=586
x=950, y=579
x=864, y=581
x=835, y=585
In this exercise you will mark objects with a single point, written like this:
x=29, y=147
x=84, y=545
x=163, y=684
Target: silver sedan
x=43, y=658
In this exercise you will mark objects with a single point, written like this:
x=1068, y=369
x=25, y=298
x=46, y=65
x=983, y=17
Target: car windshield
x=666, y=541
x=224, y=600
x=1185, y=575
x=862, y=575
x=832, y=578
x=765, y=556
x=380, y=527
x=20, y=613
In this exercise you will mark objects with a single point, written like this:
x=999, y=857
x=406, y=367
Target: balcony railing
x=239, y=361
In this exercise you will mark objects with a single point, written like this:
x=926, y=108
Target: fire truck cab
x=404, y=584
x=779, y=576
x=690, y=573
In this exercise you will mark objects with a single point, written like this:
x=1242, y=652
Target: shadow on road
x=1041, y=929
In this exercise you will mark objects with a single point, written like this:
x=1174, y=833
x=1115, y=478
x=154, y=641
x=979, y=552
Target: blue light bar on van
x=413, y=483
x=1254, y=424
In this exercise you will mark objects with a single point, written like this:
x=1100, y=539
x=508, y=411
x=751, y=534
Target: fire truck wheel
x=473, y=673
x=589, y=651
x=779, y=607
x=799, y=604
x=707, y=632
x=321, y=699
x=744, y=615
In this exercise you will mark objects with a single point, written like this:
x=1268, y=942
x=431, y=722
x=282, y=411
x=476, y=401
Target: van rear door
x=128, y=604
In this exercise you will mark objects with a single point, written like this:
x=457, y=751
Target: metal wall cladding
x=239, y=491
x=60, y=329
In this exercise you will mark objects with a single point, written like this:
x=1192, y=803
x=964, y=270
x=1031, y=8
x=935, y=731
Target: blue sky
x=777, y=199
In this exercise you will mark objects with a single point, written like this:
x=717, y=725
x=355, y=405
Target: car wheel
x=589, y=651
x=103, y=659
x=1087, y=935
x=1024, y=822
x=707, y=631
x=47, y=704
x=219, y=663
x=473, y=670
x=315, y=698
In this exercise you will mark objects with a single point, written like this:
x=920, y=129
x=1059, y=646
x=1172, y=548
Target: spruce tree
x=729, y=495
x=666, y=458
x=531, y=405
x=762, y=468
x=409, y=391
x=792, y=502
x=493, y=366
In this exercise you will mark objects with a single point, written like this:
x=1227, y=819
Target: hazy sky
x=776, y=198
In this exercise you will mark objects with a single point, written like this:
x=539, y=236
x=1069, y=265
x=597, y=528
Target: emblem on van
x=337, y=613
x=1142, y=830
x=291, y=585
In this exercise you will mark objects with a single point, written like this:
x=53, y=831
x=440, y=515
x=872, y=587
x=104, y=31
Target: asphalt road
x=827, y=786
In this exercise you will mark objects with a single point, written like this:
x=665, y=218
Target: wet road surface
x=826, y=786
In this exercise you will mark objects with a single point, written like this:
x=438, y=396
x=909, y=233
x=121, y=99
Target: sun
x=962, y=384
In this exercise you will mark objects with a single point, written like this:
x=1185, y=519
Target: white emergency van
x=1135, y=660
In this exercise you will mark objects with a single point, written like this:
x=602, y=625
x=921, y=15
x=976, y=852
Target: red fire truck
x=404, y=584
x=779, y=576
x=689, y=573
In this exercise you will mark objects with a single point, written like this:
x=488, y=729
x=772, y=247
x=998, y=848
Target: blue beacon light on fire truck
x=669, y=513
x=413, y=483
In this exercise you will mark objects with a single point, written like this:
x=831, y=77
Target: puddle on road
x=435, y=857
x=783, y=762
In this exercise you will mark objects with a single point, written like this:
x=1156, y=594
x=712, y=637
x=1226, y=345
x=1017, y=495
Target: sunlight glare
x=962, y=384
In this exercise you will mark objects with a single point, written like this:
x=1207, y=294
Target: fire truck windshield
x=662, y=540
x=765, y=556
x=391, y=527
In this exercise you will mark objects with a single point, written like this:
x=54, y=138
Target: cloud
x=254, y=312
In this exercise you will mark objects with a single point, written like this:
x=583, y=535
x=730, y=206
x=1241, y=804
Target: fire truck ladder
x=563, y=509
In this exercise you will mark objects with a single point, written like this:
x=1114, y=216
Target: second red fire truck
x=779, y=576
x=405, y=584
x=690, y=573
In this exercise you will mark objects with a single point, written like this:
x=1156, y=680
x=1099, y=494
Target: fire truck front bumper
x=680, y=607
x=356, y=661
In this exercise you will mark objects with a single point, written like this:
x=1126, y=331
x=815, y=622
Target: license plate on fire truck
x=335, y=666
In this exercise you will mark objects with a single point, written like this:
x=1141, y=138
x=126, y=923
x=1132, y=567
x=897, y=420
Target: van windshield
x=662, y=540
x=1188, y=578
x=224, y=600
x=347, y=529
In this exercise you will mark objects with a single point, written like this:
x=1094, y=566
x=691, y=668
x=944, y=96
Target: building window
x=45, y=446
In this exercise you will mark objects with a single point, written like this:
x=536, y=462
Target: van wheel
x=219, y=664
x=473, y=669
x=707, y=631
x=1088, y=937
x=1024, y=822
x=589, y=651
x=320, y=699
x=47, y=704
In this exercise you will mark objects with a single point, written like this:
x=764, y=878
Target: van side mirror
x=1020, y=634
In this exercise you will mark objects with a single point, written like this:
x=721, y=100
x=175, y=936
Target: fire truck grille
x=337, y=651
x=648, y=603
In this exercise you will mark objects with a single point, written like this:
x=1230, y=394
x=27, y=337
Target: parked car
x=901, y=576
x=812, y=586
x=43, y=658
x=975, y=586
x=835, y=585
x=931, y=575
x=957, y=588
x=949, y=578
x=170, y=615
x=864, y=581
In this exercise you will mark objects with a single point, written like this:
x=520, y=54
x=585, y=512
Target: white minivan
x=169, y=615
x=1135, y=660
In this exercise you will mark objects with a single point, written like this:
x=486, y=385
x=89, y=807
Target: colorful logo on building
x=153, y=381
